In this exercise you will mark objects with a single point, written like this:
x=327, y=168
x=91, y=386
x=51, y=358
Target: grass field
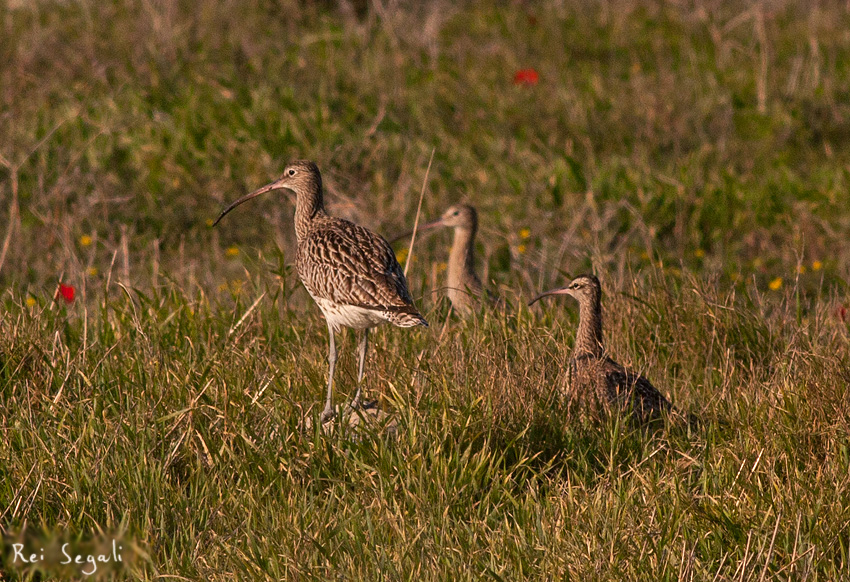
x=693, y=154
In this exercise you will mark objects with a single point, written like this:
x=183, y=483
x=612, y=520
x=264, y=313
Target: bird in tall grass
x=594, y=375
x=463, y=286
x=350, y=272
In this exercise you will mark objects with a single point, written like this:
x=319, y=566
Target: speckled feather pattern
x=592, y=373
x=610, y=384
x=348, y=265
x=350, y=272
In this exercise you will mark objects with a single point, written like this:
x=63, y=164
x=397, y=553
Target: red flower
x=526, y=77
x=842, y=313
x=67, y=292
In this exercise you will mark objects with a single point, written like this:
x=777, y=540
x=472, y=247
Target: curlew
x=462, y=284
x=591, y=372
x=350, y=272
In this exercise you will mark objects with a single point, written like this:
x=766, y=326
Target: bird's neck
x=461, y=261
x=589, y=335
x=309, y=205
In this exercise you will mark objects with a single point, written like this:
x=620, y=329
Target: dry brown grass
x=692, y=154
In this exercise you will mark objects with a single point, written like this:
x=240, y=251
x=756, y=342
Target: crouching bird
x=592, y=373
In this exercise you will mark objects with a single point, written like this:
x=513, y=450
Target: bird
x=591, y=372
x=463, y=285
x=350, y=272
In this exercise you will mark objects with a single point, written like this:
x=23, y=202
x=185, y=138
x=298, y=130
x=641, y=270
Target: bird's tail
x=404, y=316
x=407, y=319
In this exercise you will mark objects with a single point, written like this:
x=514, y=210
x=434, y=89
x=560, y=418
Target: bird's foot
x=358, y=403
x=327, y=415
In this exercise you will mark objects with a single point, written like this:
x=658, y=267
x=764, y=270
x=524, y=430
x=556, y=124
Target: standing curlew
x=591, y=372
x=463, y=285
x=350, y=272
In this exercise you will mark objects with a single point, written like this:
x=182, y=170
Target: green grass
x=695, y=157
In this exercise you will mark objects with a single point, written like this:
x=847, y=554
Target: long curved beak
x=267, y=188
x=427, y=226
x=558, y=291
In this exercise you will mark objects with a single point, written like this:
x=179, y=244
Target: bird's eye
x=291, y=172
x=456, y=212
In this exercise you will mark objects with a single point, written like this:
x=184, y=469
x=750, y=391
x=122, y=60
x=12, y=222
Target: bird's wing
x=351, y=265
x=626, y=385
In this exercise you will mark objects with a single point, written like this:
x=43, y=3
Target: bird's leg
x=362, y=350
x=328, y=412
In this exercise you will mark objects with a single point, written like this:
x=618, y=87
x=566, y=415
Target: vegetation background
x=694, y=154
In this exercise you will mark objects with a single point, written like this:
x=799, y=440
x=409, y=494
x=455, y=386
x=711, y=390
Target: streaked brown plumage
x=350, y=272
x=591, y=372
x=463, y=286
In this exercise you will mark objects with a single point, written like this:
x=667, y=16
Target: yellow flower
x=223, y=287
x=209, y=221
x=92, y=271
x=236, y=286
x=524, y=233
x=817, y=266
x=801, y=269
x=231, y=251
x=401, y=255
x=521, y=249
x=644, y=255
x=441, y=267
x=30, y=301
x=85, y=240
x=699, y=253
x=776, y=284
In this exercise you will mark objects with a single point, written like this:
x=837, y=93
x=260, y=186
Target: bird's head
x=583, y=288
x=298, y=176
x=459, y=215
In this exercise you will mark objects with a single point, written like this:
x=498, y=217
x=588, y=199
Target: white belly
x=339, y=316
